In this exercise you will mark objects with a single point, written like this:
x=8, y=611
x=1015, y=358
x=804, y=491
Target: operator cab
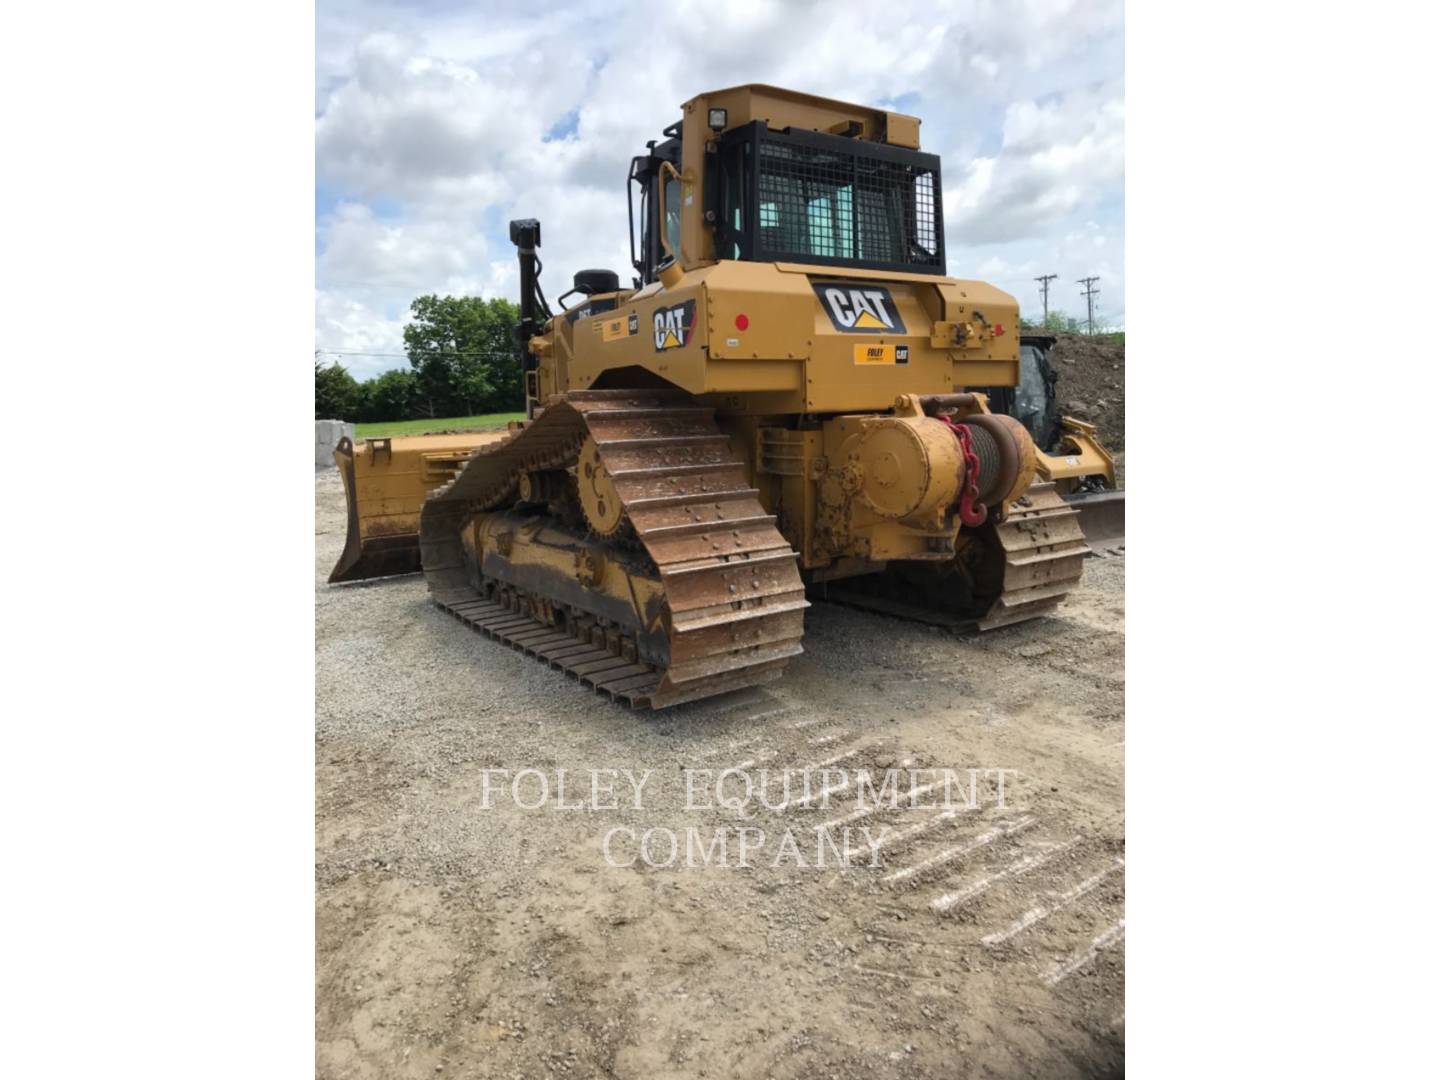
x=793, y=195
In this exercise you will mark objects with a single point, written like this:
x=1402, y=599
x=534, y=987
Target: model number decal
x=674, y=325
x=860, y=309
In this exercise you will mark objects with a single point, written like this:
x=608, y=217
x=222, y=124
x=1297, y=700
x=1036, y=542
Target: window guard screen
x=824, y=199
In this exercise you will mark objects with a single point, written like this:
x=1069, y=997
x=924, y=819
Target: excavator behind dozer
x=789, y=402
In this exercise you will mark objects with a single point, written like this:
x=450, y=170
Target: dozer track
x=1006, y=573
x=1045, y=553
x=731, y=602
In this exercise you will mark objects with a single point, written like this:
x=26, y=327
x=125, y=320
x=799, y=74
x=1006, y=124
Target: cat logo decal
x=674, y=325
x=860, y=309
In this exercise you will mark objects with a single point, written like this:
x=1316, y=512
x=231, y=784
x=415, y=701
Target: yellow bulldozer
x=792, y=398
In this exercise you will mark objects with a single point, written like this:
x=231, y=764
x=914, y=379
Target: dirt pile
x=1091, y=384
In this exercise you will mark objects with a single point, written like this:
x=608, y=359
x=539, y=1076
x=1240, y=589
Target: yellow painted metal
x=786, y=349
x=534, y=555
x=1080, y=455
x=902, y=130
x=886, y=487
x=386, y=481
x=598, y=498
x=911, y=467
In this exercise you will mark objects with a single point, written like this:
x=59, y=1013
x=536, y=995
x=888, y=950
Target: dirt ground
x=456, y=940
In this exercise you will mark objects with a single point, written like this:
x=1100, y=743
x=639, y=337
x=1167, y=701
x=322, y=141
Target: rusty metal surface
x=1045, y=553
x=596, y=665
x=734, y=598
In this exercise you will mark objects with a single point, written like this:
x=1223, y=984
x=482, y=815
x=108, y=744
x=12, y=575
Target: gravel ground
x=458, y=940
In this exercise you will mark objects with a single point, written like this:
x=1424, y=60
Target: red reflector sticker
x=742, y=322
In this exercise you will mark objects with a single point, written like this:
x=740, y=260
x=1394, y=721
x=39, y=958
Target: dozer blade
x=1102, y=516
x=386, y=481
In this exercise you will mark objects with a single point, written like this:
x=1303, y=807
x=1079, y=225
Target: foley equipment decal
x=882, y=354
x=859, y=309
x=621, y=328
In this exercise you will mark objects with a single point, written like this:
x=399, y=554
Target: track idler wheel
x=604, y=512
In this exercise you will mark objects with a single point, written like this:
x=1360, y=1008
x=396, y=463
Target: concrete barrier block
x=327, y=437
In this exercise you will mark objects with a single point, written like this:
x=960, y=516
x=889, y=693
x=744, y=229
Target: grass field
x=423, y=427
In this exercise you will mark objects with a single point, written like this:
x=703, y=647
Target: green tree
x=463, y=355
x=337, y=393
x=1057, y=322
x=388, y=396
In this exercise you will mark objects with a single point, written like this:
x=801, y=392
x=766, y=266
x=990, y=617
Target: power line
x=417, y=352
x=1044, y=281
x=1090, y=293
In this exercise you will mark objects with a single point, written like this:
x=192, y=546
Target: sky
x=437, y=122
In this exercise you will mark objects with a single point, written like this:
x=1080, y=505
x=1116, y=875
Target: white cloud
x=364, y=251
x=432, y=120
x=1057, y=157
x=360, y=337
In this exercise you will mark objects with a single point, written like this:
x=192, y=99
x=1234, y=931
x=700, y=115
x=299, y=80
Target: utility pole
x=1090, y=293
x=1045, y=295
